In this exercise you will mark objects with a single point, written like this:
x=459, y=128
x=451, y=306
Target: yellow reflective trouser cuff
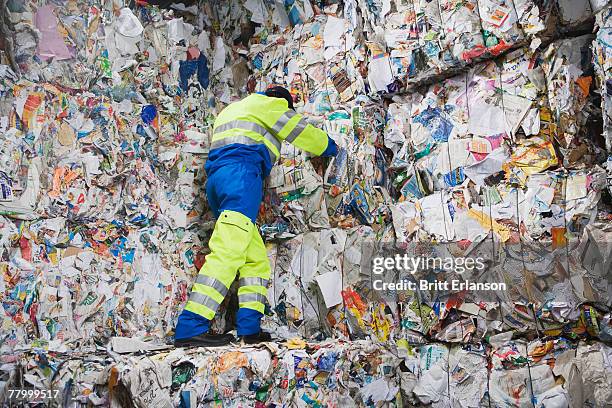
x=200, y=309
x=254, y=275
x=259, y=306
x=228, y=245
x=252, y=293
x=252, y=297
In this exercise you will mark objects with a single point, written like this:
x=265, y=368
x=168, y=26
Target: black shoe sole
x=200, y=344
x=255, y=341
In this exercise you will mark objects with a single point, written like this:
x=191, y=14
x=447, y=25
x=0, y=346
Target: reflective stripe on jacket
x=259, y=119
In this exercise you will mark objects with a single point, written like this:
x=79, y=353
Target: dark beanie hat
x=280, y=92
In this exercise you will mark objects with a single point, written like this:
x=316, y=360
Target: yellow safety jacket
x=259, y=119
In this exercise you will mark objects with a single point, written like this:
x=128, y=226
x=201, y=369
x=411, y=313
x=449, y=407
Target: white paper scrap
x=330, y=284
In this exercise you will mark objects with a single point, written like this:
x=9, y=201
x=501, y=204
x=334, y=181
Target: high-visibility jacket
x=259, y=119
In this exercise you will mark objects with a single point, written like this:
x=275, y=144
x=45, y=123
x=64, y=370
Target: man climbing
x=246, y=142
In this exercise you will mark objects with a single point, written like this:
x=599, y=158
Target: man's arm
x=293, y=128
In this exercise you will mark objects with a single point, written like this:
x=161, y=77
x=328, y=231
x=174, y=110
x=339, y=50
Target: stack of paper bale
x=602, y=50
x=465, y=129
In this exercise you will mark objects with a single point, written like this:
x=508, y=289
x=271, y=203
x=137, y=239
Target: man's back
x=252, y=130
x=248, y=112
x=253, y=108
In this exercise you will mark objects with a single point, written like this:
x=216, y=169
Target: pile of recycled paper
x=465, y=128
x=502, y=373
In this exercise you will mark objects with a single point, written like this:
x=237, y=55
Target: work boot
x=260, y=337
x=205, y=340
